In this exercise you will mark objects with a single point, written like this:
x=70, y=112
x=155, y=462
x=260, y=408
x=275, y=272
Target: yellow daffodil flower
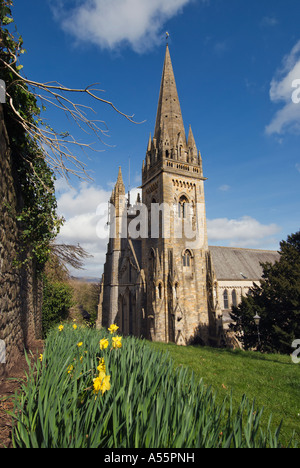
x=101, y=367
x=75, y=326
x=102, y=383
x=61, y=327
x=113, y=328
x=79, y=344
x=103, y=344
x=117, y=342
x=41, y=357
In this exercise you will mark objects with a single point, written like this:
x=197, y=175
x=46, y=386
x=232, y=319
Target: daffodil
x=70, y=368
x=41, y=357
x=75, y=326
x=104, y=343
x=102, y=383
x=117, y=342
x=60, y=328
x=101, y=367
x=79, y=344
x=113, y=328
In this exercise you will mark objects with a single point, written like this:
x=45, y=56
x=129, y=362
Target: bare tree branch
x=58, y=148
x=72, y=255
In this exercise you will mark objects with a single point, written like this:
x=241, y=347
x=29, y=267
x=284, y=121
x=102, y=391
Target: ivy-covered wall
x=20, y=286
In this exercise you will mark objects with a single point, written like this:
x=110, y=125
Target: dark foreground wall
x=20, y=289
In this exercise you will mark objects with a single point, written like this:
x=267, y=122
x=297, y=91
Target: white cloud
x=79, y=208
x=224, y=188
x=85, y=210
x=269, y=21
x=77, y=201
x=111, y=23
x=220, y=47
x=243, y=232
x=283, y=90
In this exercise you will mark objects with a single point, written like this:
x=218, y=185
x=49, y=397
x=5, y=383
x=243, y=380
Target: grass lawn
x=272, y=380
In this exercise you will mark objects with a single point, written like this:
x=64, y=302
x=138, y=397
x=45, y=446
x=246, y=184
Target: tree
x=276, y=300
x=63, y=255
x=57, y=301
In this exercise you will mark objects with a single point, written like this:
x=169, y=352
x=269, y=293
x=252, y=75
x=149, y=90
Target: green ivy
x=36, y=214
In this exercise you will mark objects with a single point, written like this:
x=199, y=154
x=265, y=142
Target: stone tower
x=108, y=307
x=174, y=255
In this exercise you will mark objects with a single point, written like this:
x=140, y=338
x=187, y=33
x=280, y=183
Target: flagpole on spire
x=129, y=185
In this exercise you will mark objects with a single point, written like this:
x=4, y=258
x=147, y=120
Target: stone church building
x=161, y=280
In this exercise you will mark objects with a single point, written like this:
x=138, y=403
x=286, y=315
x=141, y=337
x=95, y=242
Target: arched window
x=225, y=299
x=234, y=298
x=187, y=259
x=182, y=207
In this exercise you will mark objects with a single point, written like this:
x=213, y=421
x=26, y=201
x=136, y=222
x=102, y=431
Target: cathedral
x=161, y=280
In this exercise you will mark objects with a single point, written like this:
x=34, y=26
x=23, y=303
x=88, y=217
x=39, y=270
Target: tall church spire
x=120, y=187
x=169, y=114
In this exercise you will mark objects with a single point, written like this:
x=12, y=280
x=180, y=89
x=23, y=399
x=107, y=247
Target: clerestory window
x=225, y=299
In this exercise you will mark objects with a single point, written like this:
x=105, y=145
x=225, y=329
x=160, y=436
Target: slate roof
x=231, y=263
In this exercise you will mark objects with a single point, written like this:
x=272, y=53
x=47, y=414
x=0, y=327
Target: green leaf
x=6, y=20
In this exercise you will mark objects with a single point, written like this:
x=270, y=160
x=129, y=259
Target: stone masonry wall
x=20, y=289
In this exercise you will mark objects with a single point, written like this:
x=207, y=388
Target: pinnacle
x=120, y=187
x=191, y=139
x=120, y=177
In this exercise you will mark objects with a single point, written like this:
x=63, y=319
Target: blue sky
x=234, y=63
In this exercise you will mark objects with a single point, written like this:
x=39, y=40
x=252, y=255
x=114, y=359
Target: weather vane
x=167, y=36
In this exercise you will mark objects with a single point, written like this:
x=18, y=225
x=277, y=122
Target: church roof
x=231, y=263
